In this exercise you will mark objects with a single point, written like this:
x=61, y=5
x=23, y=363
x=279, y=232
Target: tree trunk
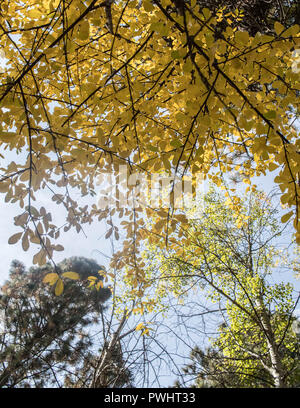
x=277, y=370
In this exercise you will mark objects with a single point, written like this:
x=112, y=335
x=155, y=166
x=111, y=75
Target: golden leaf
x=71, y=275
x=51, y=278
x=59, y=288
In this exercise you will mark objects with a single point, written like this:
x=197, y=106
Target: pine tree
x=42, y=334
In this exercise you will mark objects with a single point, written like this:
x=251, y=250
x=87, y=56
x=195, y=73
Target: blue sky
x=92, y=246
x=74, y=244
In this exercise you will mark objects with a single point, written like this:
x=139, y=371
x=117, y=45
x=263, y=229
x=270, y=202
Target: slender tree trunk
x=277, y=370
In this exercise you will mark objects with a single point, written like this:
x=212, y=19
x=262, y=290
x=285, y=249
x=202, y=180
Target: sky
x=74, y=243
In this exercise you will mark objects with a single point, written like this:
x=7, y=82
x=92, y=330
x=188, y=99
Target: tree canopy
x=91, y=85
x=230, y=263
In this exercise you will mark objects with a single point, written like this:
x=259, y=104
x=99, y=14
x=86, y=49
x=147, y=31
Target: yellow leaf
x=25, y=242
x=294, y=30
x=84, y=31
x=15, y=238
x=40, y=258
x=242, y=37
x=273, y=166
x=206, y=12
x=71, y=275
x=59, y=288
x=286, y=217
x=34, y=13
x=99, y=285
x=159, y=27
x=148, y=6
x=7, y=137
x=4, y=187
x=50, y=278
x=140, y=326
x=278, y=28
